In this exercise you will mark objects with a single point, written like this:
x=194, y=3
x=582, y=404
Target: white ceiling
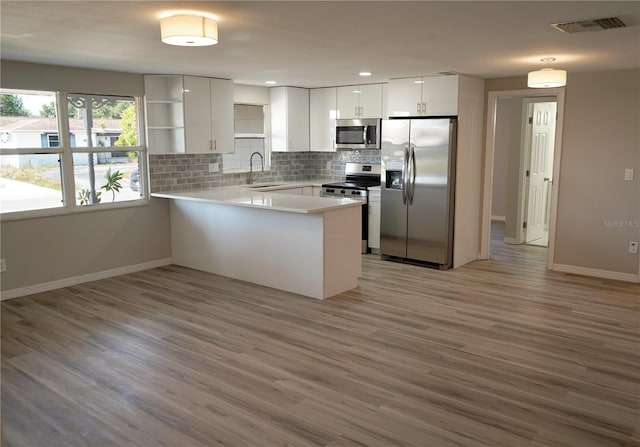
x=312, y=44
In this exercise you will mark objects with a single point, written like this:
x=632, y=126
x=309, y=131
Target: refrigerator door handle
x=408, y=176
x=405, y=168
x=412, y=180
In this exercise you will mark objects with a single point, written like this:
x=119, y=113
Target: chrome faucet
x=251, y=179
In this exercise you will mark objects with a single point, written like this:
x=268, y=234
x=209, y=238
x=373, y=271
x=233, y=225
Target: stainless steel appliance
x=358, y=134
x=359, y=177
x=418, y=178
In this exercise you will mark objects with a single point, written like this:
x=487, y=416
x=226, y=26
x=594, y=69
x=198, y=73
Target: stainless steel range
x=359, y=178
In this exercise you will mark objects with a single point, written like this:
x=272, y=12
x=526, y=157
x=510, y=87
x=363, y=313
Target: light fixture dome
x=547, y=77
x=189, y=30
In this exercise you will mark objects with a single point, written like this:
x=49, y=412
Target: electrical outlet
x=214, y=167
x=628, y=174
x=3, y=265
x=633, y=247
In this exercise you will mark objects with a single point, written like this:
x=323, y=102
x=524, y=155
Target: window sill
x=63, y=211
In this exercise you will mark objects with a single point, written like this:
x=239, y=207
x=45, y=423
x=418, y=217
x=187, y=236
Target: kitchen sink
x=264, y=185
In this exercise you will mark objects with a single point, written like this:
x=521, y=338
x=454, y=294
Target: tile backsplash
x=180, y=172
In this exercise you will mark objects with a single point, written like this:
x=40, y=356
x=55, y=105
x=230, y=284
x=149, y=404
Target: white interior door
x=540, y=169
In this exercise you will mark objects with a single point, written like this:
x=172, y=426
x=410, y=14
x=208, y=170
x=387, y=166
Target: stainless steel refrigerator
x=417, y=182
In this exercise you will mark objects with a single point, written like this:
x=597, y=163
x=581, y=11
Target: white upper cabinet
x=360, y=101
x=222, y=122
x=197, y=114
x=289, y=119
x=423, y=96
x=322, y=119
x=405, y=97
x=164, y=114
x=208, y=111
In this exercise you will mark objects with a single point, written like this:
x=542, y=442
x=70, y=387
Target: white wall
x=23, y=75
x=250, y=94
x=54, y=249
x=468, y=194
x=601, y=139
x=506, y=162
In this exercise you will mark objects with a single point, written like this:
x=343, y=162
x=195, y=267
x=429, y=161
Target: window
x=30, y=155
x=84, y=157
x=250, y=122
x=53, y=140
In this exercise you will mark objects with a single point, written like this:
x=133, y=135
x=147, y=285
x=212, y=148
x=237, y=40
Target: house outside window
x=82, y=158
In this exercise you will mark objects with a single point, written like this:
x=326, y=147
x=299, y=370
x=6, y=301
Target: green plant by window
x=84, y=196
x=113, y=182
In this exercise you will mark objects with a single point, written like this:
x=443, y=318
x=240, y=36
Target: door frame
x=492, y=105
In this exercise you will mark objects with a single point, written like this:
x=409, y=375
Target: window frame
x=265, y=136
x=65, y=153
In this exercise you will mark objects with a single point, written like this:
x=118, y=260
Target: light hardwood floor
x=496, y=353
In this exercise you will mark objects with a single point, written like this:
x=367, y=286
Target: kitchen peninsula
x=302, y=244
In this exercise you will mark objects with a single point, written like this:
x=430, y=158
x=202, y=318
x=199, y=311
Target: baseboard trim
x=75, y=280
x=498, y=218
x=597, y=273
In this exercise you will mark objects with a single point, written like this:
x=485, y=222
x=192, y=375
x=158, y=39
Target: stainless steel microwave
x=358, y=133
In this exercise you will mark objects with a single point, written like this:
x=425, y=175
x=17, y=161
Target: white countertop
x=264, y=197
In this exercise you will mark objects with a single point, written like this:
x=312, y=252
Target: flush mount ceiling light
x=547, y=77
x=189, y=30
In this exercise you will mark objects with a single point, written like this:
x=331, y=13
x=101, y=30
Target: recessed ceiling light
x=270, y=82
x=357, y=91
x=365, y=73
x=418, y=82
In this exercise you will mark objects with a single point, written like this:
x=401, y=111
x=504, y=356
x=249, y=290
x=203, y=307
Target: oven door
x=358, y=134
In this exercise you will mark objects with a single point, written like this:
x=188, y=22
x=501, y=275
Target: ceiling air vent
x=589, y=25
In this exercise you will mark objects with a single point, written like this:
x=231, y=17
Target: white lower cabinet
x=374, y=219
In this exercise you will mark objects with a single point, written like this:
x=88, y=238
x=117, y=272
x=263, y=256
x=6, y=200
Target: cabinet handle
x=424, y=107
x=418, y=107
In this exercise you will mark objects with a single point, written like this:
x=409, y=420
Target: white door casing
x=492, y=100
